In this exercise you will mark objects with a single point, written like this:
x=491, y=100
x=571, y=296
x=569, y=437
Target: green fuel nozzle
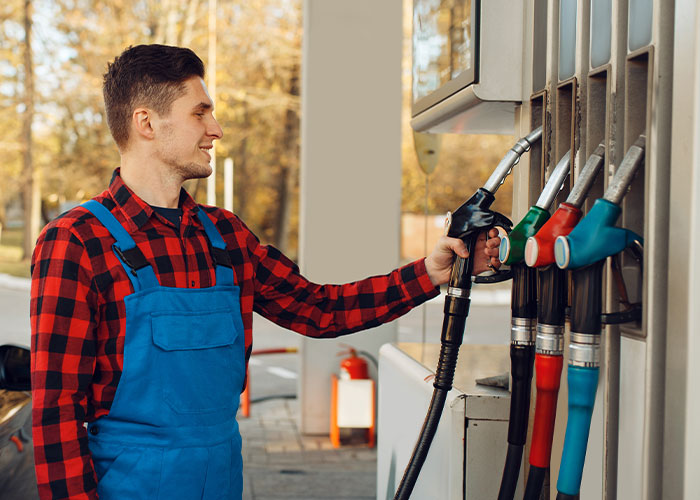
x=512, y=248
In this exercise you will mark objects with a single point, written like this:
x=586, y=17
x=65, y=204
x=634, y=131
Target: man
x=142, y=305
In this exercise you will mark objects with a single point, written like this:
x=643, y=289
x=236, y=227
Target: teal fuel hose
x=467, y=222
x=584, y=251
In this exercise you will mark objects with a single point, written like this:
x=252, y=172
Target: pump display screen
x=443, y=48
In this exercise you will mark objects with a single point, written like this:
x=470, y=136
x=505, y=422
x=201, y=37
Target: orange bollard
x=245, y=399
x=245, y=395
x=335, y=431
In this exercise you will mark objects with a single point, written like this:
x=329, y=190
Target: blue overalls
x=171, y=432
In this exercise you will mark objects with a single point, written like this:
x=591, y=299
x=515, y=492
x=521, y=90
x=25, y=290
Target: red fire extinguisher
x=353, y=399
x=353, y=367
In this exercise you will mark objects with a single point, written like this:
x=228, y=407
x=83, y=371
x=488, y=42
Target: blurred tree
x=11, y=62
x=257, y=105
x=31, y=179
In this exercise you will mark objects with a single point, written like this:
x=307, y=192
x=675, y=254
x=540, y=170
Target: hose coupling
x=550, y=340
x=461, y=293
x=522, y=146
x=584, y=350
x=522, y=331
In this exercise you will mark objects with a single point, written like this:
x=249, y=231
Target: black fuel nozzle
x=466, y=223
x=474, y=216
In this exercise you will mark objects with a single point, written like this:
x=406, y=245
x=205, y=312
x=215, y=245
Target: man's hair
x=152, y=76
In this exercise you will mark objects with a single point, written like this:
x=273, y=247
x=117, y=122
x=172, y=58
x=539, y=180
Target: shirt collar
x=136, y=212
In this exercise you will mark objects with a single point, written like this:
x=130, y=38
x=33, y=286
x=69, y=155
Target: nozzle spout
x=625, y=172
x=586, y=177
x=511, y=158
x=555, y=182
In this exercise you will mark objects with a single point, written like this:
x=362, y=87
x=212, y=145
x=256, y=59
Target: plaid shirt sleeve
x=284, y=296
x=63, y=361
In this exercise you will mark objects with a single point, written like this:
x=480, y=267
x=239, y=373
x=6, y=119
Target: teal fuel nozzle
x=596, y=237
x=512, y=248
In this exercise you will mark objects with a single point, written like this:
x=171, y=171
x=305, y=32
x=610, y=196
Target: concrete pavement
x=280, y=463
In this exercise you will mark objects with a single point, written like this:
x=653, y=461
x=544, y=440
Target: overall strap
x=222, y=260
x=137, y=267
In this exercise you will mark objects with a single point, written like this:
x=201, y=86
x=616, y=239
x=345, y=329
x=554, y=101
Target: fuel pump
x=585, y=251
x=551, y=305
x=470, y=219
x=524, y=314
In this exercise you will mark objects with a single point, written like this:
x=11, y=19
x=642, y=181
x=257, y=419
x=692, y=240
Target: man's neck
x=153, y=184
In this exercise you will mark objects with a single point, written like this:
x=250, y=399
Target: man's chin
x=196, y=171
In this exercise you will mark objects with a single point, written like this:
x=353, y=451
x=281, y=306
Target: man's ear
x=141, y=119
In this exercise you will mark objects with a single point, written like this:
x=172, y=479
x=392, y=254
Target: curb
x=15, y=283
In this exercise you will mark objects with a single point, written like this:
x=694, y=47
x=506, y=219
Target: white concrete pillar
x=350, y=168
x=682, y=408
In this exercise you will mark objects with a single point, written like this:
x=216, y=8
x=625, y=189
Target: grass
x=11, y=261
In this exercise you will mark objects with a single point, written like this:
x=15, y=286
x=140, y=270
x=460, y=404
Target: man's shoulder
x=224, y=219
x=77, y=220
x=232, y=229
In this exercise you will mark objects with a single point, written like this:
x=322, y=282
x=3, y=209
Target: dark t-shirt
x=174, y=215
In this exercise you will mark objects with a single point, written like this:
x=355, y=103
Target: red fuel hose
x=549, y=360
x=548, y=369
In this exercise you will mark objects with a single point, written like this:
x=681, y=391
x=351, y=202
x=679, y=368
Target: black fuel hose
x=522, y=357
x=472, y=218
x=456, y=312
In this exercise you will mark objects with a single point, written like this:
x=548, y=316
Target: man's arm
x=63, y=362
x=287, y=298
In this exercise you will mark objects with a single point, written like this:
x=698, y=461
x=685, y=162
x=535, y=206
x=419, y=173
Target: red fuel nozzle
x=539, y=249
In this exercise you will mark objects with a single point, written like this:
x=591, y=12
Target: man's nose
x=215, y=130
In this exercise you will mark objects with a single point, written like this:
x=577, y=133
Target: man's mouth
x=205, y=150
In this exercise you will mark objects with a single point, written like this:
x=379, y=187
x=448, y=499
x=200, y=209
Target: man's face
x=185, y=136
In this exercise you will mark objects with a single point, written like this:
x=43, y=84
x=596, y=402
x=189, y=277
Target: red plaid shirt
x=78, y=313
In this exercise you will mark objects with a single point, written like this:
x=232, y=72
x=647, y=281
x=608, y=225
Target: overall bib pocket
x=200, y=355
x=116, y=469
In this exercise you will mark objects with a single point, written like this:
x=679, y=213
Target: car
x=17, y=475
